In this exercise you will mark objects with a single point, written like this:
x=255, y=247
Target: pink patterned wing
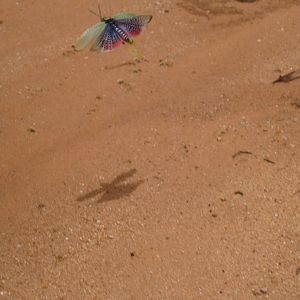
x=134, y=25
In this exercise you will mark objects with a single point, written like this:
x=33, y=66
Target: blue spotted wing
x=132, y=25
x=106, y=35
x=108, y=39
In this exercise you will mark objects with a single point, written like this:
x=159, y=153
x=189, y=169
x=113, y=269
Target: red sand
x=142, y=190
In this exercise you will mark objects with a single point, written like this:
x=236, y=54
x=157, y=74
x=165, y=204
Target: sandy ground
x=177, y=177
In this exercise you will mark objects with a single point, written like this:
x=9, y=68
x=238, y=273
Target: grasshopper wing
x=89, y=36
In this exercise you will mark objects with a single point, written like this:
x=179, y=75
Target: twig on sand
x=240, y=153
x=296, y=103
x=269, y=161
x=288, y=77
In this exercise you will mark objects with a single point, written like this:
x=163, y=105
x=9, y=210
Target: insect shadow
x=114, y=190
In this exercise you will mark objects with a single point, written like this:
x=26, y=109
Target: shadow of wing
x=120, y=191
x=90, y=195
x=123, y=177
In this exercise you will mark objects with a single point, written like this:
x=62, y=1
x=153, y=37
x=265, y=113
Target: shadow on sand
x=114, y=190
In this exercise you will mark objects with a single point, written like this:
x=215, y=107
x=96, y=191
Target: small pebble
x=31, y=130
x=264, y=290
x=137, y=71
x=165, y=63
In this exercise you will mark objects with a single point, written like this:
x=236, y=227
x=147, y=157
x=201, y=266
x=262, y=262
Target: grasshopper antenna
x=99, y=15
x=99, y=9
x=92, y=12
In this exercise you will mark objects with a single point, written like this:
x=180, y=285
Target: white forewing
x=89, y=36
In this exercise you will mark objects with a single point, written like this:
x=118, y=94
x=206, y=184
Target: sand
x=175, y=177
